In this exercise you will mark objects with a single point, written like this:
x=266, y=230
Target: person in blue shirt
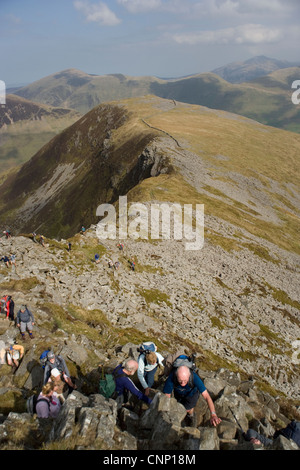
x=124, y=385
x=187, y=387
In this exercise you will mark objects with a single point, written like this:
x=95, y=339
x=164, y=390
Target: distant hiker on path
x=42, y=241
x=14, y=354
x=25, y=321
x=5, y=259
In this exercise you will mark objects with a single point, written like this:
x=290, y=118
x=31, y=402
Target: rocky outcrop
x=92, y=422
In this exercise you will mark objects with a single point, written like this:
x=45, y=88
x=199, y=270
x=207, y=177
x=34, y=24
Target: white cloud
x=140, y=6
x=98, y=13
x=244, y=34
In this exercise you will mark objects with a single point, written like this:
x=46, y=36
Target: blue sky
x=165, y=38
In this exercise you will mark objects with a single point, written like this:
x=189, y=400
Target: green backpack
x=107, y=385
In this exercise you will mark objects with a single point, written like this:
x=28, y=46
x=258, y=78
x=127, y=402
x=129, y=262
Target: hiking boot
x=31, y=336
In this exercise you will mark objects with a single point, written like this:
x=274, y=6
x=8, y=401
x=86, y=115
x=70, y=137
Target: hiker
x=58, y=362
x=82, y=231
x=187, y=387
x=69, y=246
x=110, y=263
x=132, y=265
x=42, y=241
x=291, y=431
x=148, y=363
x=14, y=354
x=33, y=235
x=5, y=259
x=25, y=321
x=97, y=258
x=12, y=259
x=10, y=308
x=50, y=409
x=7, y=233
x=120, y=246
x=125, y=386
x=55, y=378
x=117, y=265
x=3, y=304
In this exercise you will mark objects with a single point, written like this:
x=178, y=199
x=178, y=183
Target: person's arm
x=64, y=366
x=31, y=316
x=47, y=373
x=169, y=386
x=140, y=372
x=129, y=385
x=214, y=420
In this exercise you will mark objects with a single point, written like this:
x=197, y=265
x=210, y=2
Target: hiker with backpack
x=58, y=362
x=187, y=387
x=125, y=386
x=291, y=431
x=25, y=321
x=14, y=354
x=148, y=362
x=47, y=403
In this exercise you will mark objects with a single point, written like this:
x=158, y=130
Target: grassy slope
x=251, y=149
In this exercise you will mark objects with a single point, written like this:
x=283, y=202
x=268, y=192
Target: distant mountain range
x=267, y=100
x=239, y=72
x=37, y=112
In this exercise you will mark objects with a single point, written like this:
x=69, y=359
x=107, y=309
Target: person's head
x=130, y=366
x=151, y=358
x=51, y=356
x=55, y=375
x=48, y=389
x=23, y=308
x=183, y=375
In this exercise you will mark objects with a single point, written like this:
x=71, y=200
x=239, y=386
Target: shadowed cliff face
x=60, y=188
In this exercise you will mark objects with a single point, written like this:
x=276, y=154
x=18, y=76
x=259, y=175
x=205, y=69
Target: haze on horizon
x=163, y=38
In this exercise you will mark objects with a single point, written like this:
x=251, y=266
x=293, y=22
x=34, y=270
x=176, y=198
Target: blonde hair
x=151, y=358
x=48, y=388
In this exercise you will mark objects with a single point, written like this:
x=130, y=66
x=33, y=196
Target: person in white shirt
x=147, y=366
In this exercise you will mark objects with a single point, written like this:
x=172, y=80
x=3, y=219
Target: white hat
x=55, y=372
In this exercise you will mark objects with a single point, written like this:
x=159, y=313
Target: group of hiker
x=57, y=384
x=181, y=380
x=9, y=259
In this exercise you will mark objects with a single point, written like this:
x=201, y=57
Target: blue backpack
x=43, y=358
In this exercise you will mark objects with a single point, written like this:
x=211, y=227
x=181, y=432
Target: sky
x=162, y=38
